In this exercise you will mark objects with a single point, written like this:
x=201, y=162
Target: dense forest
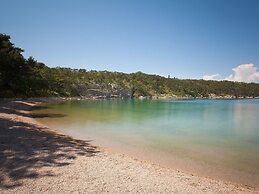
x=20, y=77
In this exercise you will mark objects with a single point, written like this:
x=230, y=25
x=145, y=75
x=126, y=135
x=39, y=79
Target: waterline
x=216, y=138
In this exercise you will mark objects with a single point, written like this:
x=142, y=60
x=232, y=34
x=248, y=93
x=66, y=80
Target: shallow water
x=215, y=138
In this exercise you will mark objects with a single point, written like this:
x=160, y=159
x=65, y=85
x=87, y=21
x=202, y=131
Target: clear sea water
x=213, y=138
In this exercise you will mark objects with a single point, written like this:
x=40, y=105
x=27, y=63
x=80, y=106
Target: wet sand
x=37, y=159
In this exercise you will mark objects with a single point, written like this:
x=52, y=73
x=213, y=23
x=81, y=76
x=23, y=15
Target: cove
x=213, y=138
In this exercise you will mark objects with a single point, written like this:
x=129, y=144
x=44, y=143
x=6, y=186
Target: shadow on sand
x=20, y=108
x=25, y=148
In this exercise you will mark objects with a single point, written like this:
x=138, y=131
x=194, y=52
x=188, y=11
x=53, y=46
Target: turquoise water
x=215, y=138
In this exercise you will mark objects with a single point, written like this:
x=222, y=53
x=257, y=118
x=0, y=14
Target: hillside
x=20, y=77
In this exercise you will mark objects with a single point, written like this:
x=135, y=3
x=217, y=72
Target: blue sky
x=186, y=39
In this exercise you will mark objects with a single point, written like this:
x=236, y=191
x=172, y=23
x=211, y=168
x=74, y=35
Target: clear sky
x=186, y=39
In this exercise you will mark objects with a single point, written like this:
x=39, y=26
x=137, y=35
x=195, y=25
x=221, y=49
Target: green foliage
x=12, y=68
x=20, y=77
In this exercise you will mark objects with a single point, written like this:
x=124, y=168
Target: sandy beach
x=37, y=159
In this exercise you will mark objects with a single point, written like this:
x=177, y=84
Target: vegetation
x=20, y=77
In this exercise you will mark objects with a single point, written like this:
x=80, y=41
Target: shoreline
x=176, y=164
x=77, y=165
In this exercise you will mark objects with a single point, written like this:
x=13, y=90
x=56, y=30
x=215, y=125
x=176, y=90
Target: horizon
x=187, y=40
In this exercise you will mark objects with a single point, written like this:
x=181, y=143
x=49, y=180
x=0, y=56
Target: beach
x=37, y=159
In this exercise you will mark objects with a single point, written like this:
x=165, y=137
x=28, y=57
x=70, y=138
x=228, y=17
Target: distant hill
x=20, y=77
